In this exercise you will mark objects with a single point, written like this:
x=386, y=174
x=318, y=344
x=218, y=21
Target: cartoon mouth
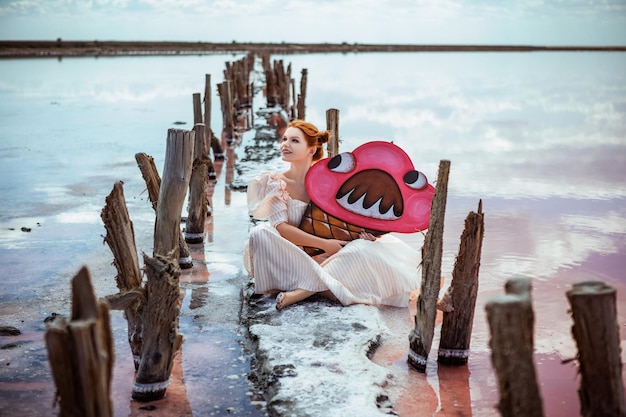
x=372, y=193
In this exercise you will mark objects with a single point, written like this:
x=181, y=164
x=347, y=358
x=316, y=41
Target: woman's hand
x=367, y=236
x=332, y=246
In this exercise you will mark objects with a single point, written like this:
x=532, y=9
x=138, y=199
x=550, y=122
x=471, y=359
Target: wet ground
x=210, y=375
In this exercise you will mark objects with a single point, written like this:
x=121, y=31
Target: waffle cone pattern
x=319, y=223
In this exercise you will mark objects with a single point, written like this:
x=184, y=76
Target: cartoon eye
x=344, y=162
x=415, y=180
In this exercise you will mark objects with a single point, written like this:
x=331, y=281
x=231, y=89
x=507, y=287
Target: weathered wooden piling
x=207, y=138
x=240, y=93
x=251, y=105
x=277, y=83
x=229, y=174
x=81, y=353
x=238, y=73
x=596, y=332
x=511, y=322
x=218, y=151
x=153, y=183
x=421, y=337
x=271, y=97
x=121, y=240
x=197, y=109
x=150, y=176
x=460, y=299
x=214, y=142
x=332, y=125
x=228, y=130
x=293, y=110
x=197, y=212
x=302, y=96
x=283, y=82
x=161, y=340
x=176, y=175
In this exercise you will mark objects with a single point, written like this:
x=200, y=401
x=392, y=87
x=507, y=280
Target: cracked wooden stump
x=459, y=302
x=121, y=240
x=511, y=322
x=153, y=183
x=81, y=353
x=161, y=340
x=596, y=332
x=421, y=337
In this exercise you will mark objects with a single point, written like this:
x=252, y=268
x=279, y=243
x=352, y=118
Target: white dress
x=384, y=271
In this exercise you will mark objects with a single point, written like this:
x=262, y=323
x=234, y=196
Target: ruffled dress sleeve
x=268, y=198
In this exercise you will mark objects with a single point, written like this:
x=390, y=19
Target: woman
x=368, y=270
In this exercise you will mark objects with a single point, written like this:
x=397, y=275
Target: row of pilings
x=81, y=349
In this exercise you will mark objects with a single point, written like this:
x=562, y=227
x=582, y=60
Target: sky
x=516, y=22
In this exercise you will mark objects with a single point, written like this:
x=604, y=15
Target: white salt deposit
x=313, y=356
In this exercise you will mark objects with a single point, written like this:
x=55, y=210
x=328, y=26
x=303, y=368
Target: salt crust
x=313, y=356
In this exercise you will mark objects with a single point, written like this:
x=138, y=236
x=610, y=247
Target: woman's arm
x=301, y=238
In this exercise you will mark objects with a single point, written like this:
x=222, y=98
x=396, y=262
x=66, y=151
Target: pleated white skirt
x=384, y=271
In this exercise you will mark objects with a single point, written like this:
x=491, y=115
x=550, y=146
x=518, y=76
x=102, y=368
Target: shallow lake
x=540, y=138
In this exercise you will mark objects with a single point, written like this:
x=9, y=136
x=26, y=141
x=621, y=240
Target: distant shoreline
x=62, y=48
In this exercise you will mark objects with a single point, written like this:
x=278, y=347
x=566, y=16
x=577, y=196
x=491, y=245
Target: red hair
x=313, y=136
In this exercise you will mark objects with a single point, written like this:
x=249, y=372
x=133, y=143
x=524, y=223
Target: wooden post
x=218, y=150
x=284, y=84
x=201, y=155
x=214, y=143
x=238, y=73
x=231, y=111
x=121, y=240
x=460, y=298
x=197, y=108
x=251, y=112
x=511, y=321
x=270, y=82
x=81, y=353
x=151, y=177
x=299, y=106
x=194, y=228
x=153, y=183
x=161, y=340
x=302, y=95
x=279, y=76
x=222, y=95
x=421, y=337
x=227, y=112
x=207, y=100
x=229, y=175
x=176, y=173
x=596, y=332
x=332, y=125
x=293, y=107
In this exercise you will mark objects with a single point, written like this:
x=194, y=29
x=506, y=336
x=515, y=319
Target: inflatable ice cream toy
x=374, y=188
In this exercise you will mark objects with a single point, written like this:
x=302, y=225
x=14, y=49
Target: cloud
x=364, y=21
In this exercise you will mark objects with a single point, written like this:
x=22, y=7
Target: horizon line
x=69, y=48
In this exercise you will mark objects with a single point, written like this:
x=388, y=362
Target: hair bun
x=323, y=137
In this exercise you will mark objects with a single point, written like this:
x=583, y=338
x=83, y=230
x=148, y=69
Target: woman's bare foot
x=328, y=294
x=288, y=298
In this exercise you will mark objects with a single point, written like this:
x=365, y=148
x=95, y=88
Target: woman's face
x=293, y=146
